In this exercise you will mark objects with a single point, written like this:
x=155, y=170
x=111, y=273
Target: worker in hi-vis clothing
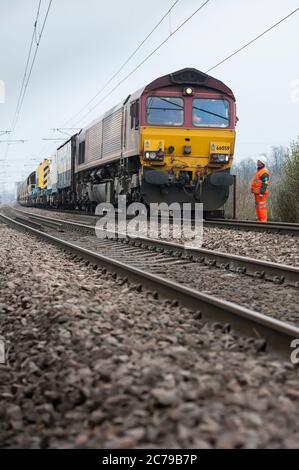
x=260, y=190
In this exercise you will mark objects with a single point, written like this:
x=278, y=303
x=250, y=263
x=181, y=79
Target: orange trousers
x=261, y=207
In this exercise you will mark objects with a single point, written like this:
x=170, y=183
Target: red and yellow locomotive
x=171, y=141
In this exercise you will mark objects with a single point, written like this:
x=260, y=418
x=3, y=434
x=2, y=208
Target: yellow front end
x=187, y=150
x=42, y=174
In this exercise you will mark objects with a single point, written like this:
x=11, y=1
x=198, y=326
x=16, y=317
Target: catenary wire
x=32, y=65
x=124, y=64
x=27, y=62
x=143, y=61
x=252, y=40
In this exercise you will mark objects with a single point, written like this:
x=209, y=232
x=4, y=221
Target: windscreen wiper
x=171, y=102
x=162, y=109
x=210, y=112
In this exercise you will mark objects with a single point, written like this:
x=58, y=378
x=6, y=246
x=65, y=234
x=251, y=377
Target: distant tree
x=244, y=169
x=277, y=158
x=287, y=201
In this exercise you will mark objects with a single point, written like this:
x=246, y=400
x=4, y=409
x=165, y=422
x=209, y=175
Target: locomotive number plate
x=220, y=147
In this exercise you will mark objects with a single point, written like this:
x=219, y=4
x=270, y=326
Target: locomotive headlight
x=150, y=155
x=188, y=91
x=219, y=158
x=154, y=155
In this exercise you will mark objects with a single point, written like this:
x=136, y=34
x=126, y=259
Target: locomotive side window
x=81, y=152
x=165, y=111
x=210, y=113
x=134, y=112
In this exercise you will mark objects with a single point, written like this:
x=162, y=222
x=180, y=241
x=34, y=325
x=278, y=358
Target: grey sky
x=85, y=42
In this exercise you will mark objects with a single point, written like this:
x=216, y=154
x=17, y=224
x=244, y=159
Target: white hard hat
x=263, y=160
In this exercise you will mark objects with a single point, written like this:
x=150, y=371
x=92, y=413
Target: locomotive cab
x=187, y=138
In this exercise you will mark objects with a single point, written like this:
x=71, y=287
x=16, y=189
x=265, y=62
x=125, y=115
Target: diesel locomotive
x=171, y=141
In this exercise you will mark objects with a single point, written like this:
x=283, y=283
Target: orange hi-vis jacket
x=257, y=182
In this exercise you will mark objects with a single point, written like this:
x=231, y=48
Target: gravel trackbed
x=95, y=362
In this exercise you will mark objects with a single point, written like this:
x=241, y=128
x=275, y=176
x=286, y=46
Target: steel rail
x=278, y=335
x=261, y=269
x=54, y=219
x=280, y=227
x=251, y=225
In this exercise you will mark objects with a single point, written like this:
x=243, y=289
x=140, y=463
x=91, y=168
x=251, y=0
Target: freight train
x=171, y=141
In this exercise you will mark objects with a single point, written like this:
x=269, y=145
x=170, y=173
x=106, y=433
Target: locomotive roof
x=189, y=77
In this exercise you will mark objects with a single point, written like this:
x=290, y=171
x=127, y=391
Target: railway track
x=276, y=227
x=276, y=334
x=278, y=273
x=250, y=225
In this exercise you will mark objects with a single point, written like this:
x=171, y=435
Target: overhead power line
x=212, y=68
x=62, y=130
x=28, y=66
x=144, y=60
x=124, y=63
x=27, y=63
x=9, y=142
x=253, y=40
x=26, y=81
